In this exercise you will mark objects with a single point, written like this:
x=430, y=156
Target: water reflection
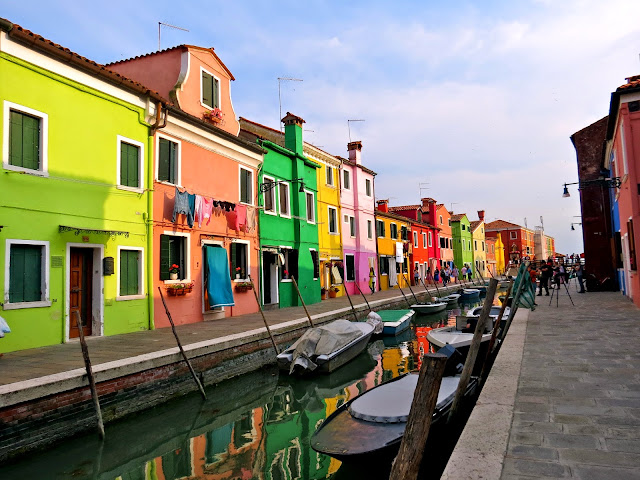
x=255, y=426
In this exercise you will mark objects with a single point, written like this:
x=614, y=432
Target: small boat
x=429, y=308
x=395, y=321
x=469, y=292
x=482, y=288
x=493, y=313
x=326, y=348
x=373, y=423
x=458, y=336
x=451, y=298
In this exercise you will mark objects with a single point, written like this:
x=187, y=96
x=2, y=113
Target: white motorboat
x=493, y=313
x=429, y=308
x=451, y=298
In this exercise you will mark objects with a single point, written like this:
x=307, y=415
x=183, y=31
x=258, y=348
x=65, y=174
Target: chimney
x=481, y=215
x=355, y=149
x=432, y=212
x=383, y=206
x=293, y=133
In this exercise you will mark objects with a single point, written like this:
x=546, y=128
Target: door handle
x=76, y=290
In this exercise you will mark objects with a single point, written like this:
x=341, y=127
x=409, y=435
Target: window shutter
x=133, y=263
x=25, y=273
x=316, y=263
x=15, y=139
x=234, y=252
x=164, y=161
x=132, y=165
x=215, y=92
x=207, y=89
x=31, y=141
x=165, y=256
x=173, y=162
x=16, y=274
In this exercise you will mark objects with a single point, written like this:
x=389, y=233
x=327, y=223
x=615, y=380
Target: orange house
x=202, y=167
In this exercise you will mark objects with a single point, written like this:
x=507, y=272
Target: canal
x=254, y=426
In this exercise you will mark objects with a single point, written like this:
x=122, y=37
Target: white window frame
x=253, y=177
x=187, y=256
x=345, y=279
x=415, y=239
x=44, y=274
x=475, y=245
x=383, y=228
x=178, y=160
x=288, y=200
x=140, y=145
x=202, y=69
x=140, y=294
x=390, y=232
x=313, y=205
x=424, y=239
x=440, y=219
x=368, y=187
x=328, y=173
x=430, y=239
x=513, y=235
x=274, y=192
x=369, y=230
x=248, y=272
x=44, y=139
x=355, y=227
x=329, y=209
x=346, y=174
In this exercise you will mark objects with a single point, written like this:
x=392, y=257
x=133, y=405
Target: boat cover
x=391, y=403
x=395, y=315
x=322, y=340
x=375, y=321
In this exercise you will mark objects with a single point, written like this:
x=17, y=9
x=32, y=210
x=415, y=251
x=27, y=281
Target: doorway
x=269, y=278
x=80, y=290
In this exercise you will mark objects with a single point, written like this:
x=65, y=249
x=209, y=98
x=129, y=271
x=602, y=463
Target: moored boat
x=395, y=321
x=469, y=292
x=429, y=308
x=451, y=298
x=459, y=336
x=493, y=313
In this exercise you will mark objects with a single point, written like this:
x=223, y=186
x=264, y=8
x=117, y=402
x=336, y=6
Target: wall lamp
x=574, y=223
x=268, y=185
x=614, y=182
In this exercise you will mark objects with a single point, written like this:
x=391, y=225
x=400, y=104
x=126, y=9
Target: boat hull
x=426, y=309
x=395, y=321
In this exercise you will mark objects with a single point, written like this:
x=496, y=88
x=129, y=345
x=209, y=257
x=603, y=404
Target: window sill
x=173, y=282
x=130, y=189
x=247, y=204
x=270, y=212
x=167, y=183
x=334, y=233
x=29, y=171
x=130, y=297
x=286, y=280
x=19, y=305
x=240, y=280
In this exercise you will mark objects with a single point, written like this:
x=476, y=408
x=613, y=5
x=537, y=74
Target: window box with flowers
x=214, y=115
x=179, y=289
x=243, y=287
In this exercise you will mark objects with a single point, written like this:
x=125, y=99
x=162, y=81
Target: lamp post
x=613, y=182
x=574, y=223
x=268, y=185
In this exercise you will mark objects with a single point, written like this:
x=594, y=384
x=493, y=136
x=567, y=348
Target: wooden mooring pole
x=184, y=355
x=295, y=284
x=410, y=289
x=92, y=381
x=405, y=297
x=494, y=333
x=264, y=319
x=407, y=464
x=513, y=309
x=365, y=298
x=473, y=349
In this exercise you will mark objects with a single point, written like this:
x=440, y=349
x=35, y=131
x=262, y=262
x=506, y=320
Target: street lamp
x=574, y=223
x=614, y=182
x=268, y=185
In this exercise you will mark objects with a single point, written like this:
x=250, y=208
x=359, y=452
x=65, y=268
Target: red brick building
x=518, y=241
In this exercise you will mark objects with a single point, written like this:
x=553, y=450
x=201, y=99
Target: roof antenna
x=284, y=79
x=349, y=126
x=161, y=24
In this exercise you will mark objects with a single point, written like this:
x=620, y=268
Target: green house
x=462, y=240
x=75, y=213
x=288, y=218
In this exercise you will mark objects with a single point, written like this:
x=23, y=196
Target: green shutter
x=216, y=93
x=24, y=141
x=234, y=252
x=165, y=256
x=129, y=165
x=164, y=161
x=207, y=89
x=129, y=272
x=25, y=273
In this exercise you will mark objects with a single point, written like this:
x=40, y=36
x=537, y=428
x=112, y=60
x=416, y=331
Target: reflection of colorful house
x=357, y=210
x=500, y=256
x=198, y=153
x=479, y=244
x=462, y=241
x=76, y=194
x=491, y=256
x=392, y=232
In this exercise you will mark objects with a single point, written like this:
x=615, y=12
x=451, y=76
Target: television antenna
x=349, y=126
x=280, y=80
x=423, y=186
x=161, y=24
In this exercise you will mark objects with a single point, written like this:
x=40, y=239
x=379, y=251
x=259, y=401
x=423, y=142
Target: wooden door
x=80, y=290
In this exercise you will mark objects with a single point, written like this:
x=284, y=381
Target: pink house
x=622, y=159
x=358, y=228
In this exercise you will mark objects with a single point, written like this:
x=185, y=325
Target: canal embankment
x=44, y=396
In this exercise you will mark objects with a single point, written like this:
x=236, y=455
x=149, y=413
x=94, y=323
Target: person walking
x=416, y=276
x=436, y=275
x=546, y=271
x=372, y=279
x=455, y=273
x=447, y=276
x=580, y=273
x=469, y=272
x=464, y=273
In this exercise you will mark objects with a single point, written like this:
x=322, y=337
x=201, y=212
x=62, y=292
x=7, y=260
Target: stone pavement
x=567, y=405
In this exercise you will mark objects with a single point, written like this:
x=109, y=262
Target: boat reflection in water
x=257, y=425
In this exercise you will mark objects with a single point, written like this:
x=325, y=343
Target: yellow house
x=329, y=225
x=500, y=264
x=392, y=232
x=479, y=248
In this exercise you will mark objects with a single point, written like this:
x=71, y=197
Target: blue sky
x=478, y=98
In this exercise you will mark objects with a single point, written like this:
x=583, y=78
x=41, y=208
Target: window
x=463, y=244
x=514, y=235
x=380, y=229
x=469, y=245
x=449, y=220
x=350, y=263
x=442, y=242
x=210, y=90
x=290, y=267
x=316, y=263
x=25, y=137
x=346, y=179
x=246, y=186
x=130, y=158
x=475, y=245
x=367, y=187
x=283, y=191
x=415, y=239
x=174, y=250
x=239, y=259
x=333, y=220
x=404, y=233
x=440, y=219
x=269, y=196
x=483, y=246
x=329, y=175
x=384, y=266
x=369, y=229
x=462, y=226
x=430, y=239
x=311, y=207
x=393, y=231
x=168, y=163
x=424, y=240
x=352, y=226
x=27, y=279
x=130, y=272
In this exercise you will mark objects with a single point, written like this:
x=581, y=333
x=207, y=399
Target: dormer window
x=210, y=88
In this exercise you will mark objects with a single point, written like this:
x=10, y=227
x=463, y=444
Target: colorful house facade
x=76, y=198
x=501, y=264
x=515, y=239
x=462, y=241
x=358, y=220
x=443, y=221
x=394, y=247
x=288, y=218
x=492, y=269
x=199, y=159
x=479, y=244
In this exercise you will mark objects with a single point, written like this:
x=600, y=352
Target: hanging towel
x=197, y=211
x=182, y=205
x=207, y=210
x=217, y=279
x=231, y=219
x=399, y=252
x=241, y=217
x=251, y=220
x=393, y=275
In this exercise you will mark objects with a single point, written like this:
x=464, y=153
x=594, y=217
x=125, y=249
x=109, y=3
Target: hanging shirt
x=241, y=217
x=251, y=220
x=197, y=211
x=182, y=205
x=207, y=210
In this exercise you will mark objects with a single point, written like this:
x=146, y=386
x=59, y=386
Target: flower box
x=179, y=289
x=243, y=287
x=214, y=115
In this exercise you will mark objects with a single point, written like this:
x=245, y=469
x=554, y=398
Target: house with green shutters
x=75, y=206
x=462, y=240
x=288, y=216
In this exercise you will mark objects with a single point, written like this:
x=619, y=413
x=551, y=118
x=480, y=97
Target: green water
x=254, y=426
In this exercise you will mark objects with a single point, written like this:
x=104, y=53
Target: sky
x=470, y=102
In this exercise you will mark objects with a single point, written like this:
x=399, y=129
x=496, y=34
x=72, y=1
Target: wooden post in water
x=407, y=464
x=295, y=284
x=473, y=349
x=264, y=319
x=410, y=289
x=184, y=355
x=355, y=315
x=513, y=309
x=494, y=333
x=92, y=381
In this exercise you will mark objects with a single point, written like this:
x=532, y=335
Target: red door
x=80, y=290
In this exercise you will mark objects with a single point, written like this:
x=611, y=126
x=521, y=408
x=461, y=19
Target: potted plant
x=333, y=292
x=173, y=271
x=244, y=286
x=238, y=271
x=323, y=293
x=214, y=115
x=179, y=289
